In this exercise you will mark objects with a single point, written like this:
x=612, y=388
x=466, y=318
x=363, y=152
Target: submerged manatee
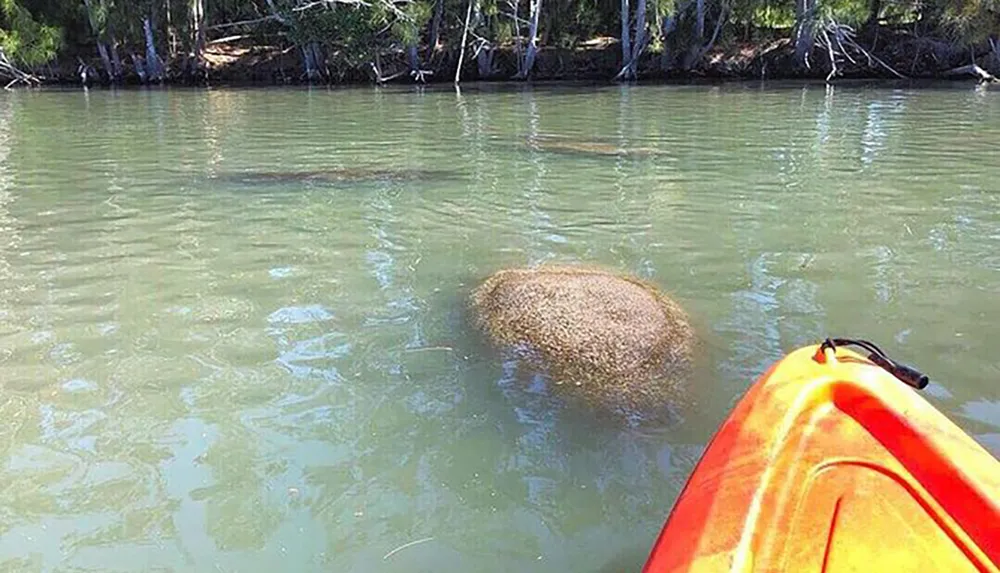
x=614, y=342
x=346, y=175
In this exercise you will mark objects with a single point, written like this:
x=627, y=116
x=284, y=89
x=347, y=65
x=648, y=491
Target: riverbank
x=599, y=60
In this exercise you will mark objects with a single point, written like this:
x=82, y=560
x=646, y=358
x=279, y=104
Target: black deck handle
x=904, y=373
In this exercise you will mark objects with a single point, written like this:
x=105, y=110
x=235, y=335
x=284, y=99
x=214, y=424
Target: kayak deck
x=830, y=463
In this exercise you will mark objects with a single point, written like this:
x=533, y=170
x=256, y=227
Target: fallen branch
x=16, y=75
x=416, y=75
x=833, y=58
x=886, y=66
x=840, y=42
x=225, y=39
x=481, y=44
x=972, y=70
x=387, y=79
x=842, y=45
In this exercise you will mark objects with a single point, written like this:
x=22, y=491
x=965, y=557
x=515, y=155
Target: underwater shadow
x=336, y=176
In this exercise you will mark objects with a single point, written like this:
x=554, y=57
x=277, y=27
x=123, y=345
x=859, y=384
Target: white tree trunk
x=626, y=40
x=995, y=48
x=529, y=56
x=517, y=39
x=699, y=26
x=465, y=38
x=153, y=68
x=171, y=34
x=198, y=27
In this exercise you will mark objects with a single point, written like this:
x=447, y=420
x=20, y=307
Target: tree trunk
x=702, y=50
x=320, y=58
x=529, y=56
x=626, y=40
x=413, y=57
x=699, y=26
x=461, y=48
x=309, y=60
x=995, y=46
x=140, y=68
x=640, y=37
x=171, y=34
x=666, y=59
x=198, y=29
x=102, y=49
x=432, y=41
x=311, y=53
x=874, y=11
x=153, y=68
x=484, y=61
x=116, y=60
x=517, y=38
x=804, y=19
x=693, y=53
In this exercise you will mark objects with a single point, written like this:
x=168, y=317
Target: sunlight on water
x=233, y=332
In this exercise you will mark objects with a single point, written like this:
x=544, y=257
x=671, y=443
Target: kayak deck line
x=829, y=463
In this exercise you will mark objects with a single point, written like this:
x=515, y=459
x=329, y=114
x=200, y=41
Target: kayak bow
x=830, y=463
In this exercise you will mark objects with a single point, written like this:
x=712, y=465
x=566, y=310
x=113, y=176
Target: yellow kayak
x=832, y=461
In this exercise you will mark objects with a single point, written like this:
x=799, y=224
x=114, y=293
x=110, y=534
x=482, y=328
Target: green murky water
x=213, y=362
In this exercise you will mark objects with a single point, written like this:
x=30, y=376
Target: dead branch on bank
x=839, y=41
x=972, y=70
x=16, y=76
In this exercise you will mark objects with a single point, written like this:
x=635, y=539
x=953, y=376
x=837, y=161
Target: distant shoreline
x=263, y=66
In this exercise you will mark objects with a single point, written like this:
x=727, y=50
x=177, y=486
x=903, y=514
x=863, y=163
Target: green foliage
x=410, y=21
x=850, y=12
x=765, y=14
x=970, y=21
x=23, y=38
x=569, y=21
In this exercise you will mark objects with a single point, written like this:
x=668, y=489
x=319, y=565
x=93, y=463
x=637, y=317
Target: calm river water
x=232, y=334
